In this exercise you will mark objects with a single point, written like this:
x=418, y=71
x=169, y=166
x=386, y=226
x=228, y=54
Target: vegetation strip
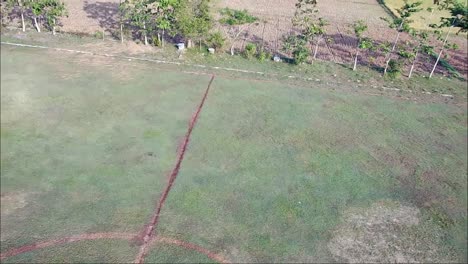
x=124, y=236
x=195, y=65
x=149, y=231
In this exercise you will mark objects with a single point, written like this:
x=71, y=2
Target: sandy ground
x=89, y=16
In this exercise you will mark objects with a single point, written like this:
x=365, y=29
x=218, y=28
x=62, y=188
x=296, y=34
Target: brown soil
x=91, y=16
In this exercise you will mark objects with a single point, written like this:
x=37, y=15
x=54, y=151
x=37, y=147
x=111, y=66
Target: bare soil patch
x=13, y=201
x=387, y=232
x=89, y=16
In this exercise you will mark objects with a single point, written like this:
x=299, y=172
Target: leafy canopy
x=359, y=28
x=458, y=12
x=234, y=17
x=193, y=18
x=49, y=9
x=403, y=21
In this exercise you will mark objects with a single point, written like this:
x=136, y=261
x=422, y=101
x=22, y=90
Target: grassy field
x=87, y=143
x=423, y=18
x=283, y=171
x=270, y=177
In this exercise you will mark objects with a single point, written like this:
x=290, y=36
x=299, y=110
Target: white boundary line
x=130, y=57
x=191, y=65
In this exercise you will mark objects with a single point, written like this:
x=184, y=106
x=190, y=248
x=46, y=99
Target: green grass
x=272, y=168
x=87, y=143
x=100, y=251
x=268, y=177
x=331, y=75
x=164, y=253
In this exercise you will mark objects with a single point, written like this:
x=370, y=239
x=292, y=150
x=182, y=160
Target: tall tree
x=459, y=13
x=193, y=20
x=22, y=7
x=138, y=14
x=422, y=36
x=312, y=27
x=121, y=22
x=162, y=12
x=423, y=46
x=237, y=21
x=401, y=24
x=53, y=9
x=363, y=43
x=50, y=10
x=36, y=8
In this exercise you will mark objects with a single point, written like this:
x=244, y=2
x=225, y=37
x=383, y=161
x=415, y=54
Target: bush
x=99, y=34
x=300, y=54
x=250, y=50
x=156, y=41
x=263, y=56
x=215, y=40
x=394, y=68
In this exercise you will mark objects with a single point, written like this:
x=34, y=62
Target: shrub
x=156, y=41
x=263, y=55
x=215, y=40
x=99, y=34
x=394, y=68
x=300, y=54
x=406, y=54
x=250, y=50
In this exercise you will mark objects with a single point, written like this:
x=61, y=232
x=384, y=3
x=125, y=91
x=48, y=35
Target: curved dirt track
x=112, y=235
x=65, y=240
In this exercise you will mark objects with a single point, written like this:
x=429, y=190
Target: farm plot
x=288, y=174
x=86, y=147
x=275, y=22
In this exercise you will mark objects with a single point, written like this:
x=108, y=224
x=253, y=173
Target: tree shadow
x=107, y=14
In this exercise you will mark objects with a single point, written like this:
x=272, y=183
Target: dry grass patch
x=387, y=232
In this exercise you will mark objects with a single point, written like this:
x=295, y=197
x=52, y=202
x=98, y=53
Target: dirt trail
x=124, y=236
x=60, y=241
x=150, y=228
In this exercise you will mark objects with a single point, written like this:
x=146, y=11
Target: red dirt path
x=148, y=232
x=124, y=236
x=60, y=241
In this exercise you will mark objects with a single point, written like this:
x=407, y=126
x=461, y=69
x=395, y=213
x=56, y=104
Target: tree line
x=42, y=12
x=192, y=20
x=311, y=31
